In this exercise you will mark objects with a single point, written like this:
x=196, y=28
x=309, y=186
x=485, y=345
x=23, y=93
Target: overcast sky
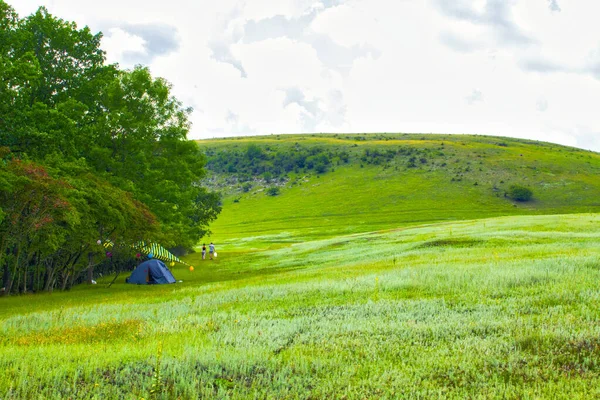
x=521, y=68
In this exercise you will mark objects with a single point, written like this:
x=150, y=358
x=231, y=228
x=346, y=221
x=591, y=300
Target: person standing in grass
x=203, y=251
x=211, y=250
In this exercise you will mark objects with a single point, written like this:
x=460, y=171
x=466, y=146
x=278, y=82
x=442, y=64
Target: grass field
x=491, y=308
x=464, y=177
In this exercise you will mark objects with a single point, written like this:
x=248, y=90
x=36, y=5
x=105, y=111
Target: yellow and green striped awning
x=158, y=252
x=155, y=249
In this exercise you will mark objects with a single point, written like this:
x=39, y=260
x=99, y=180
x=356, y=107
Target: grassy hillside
x=493, y=308
x=382, y=181
x=356, y=281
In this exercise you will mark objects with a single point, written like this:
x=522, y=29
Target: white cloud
x=140, y=43
x=495, y=15
x=460, y=43
x=226, y=33
x=590, y=66
x=299, y=29
x=587, y=138
x=121, y=43
x=233, y=125
x=317, y=114
x=553, y=4
x=261, y=67
x=476, y=96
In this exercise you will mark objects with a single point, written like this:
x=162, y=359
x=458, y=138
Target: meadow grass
x=465, y=177
x=492, y=308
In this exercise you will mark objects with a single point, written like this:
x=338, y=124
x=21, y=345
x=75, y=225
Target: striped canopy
x=155, y=249
x=158, y=252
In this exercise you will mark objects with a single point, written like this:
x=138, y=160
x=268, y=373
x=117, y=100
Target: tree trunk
x=18, y=281
x=116, y=275
x=49, y=276
x=65, y=280
x=6, y=279
x=90, y=271
x=14, y=272
x=35, y=286
x=73, y=278
x=25, y=279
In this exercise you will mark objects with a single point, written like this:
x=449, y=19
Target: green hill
x=353, y=282
x=331, y=185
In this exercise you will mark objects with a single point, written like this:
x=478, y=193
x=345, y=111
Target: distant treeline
x=274, y=162
x=271, y=162
x=89, y=153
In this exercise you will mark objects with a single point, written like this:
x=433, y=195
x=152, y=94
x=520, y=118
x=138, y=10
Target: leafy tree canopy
x=520, y=193
x=58, y=96
x=88, y=151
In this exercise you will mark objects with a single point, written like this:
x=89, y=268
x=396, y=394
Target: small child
x=203, y=251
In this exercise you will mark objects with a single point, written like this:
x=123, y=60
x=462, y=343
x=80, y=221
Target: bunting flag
x=155, y=249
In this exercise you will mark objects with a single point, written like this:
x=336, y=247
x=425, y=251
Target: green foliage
x=58, y=98
x=53, y=217
x=157, y=379
x=92, y=152
x=520, y=193
x=271, y=162
x=253, y=152
x=273, y=191
x=50, y=72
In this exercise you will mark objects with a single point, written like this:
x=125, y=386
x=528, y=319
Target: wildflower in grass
x=157, y=377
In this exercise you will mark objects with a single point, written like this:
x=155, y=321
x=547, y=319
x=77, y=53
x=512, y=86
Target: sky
x=517, y=68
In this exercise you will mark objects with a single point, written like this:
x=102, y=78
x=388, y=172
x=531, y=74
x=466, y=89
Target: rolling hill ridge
x=328, y=185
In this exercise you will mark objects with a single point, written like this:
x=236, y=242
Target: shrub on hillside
x=320, y=168
x=267, y=176
x=273, y=191
x=520, y=193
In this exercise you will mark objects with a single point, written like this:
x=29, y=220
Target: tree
x=35, y=208
x=143, y=146
x=106, y=213
x=51, y=74
x=520, y=193
x=273, y=191
x=58, y=97
x=53, y=217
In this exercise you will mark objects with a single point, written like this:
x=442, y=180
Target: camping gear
x=152, y=250
x=158, y=252
x=151, y=272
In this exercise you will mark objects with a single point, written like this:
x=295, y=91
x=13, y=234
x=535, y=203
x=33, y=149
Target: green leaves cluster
x=53, y=218
x=273, y=191
x=117, y=137
x=272, y=162
x=520, y=193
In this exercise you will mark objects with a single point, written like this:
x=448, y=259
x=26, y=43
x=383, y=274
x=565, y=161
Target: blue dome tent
x=151, y=272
